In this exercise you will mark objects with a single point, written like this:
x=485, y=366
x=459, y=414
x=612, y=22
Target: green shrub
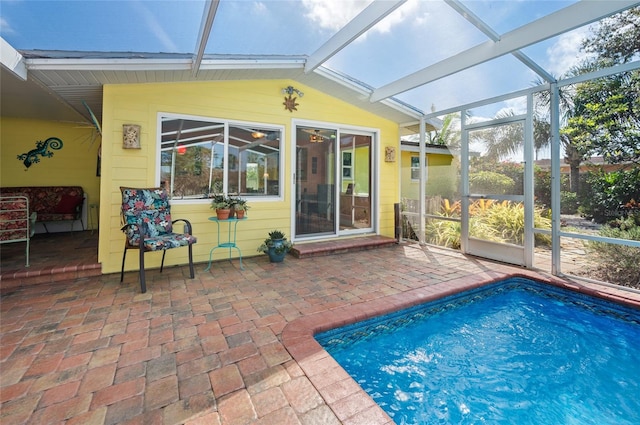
x=619, y=263
x=443, y=233
x=542, y=187
x=490, y=182
x=443, y=184
x=493, y=221
x=513, y=170
x=568, y=202
x=608, y=192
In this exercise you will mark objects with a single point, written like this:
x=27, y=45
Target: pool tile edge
x=356, y=407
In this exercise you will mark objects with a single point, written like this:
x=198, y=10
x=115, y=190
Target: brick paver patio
x=228, y=347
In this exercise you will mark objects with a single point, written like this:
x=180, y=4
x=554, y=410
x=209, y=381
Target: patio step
x=37, y=275
x=340, y=246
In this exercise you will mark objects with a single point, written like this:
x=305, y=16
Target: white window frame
x=227, y=123
x=417, y=168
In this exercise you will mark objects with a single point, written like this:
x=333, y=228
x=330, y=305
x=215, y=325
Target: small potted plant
x=222, y=205
x=275, y=246
x=240, y=206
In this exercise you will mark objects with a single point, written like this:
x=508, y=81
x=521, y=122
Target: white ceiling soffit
x=564, y=20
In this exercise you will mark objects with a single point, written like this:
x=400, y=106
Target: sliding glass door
x=333, y=182
x=315, y=181
x=355, y=181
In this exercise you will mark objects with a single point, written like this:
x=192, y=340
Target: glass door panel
x=355, y=181
x=315, y=179
x=495, y=207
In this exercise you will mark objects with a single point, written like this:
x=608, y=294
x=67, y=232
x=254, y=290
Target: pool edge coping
x=344, y=396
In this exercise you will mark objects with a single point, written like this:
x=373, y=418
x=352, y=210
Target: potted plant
x=222, y=205
x=276, y=246
x=240, y=206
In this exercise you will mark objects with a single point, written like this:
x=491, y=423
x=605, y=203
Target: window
x=347, y=166
x=415, y=168
x=201, y=157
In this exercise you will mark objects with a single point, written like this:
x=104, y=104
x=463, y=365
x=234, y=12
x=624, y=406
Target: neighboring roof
x=410, y=146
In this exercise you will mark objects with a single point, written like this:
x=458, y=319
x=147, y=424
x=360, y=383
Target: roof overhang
x=76, y=78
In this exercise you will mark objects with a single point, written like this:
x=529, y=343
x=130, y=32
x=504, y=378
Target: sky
x=418, y=34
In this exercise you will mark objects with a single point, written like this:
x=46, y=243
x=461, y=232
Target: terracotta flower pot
x=223, y=214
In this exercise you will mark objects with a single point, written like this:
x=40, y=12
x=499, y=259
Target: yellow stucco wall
x=73, y=165
x=253, y=101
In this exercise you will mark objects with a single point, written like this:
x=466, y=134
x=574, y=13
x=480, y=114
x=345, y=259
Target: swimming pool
x=516, y=352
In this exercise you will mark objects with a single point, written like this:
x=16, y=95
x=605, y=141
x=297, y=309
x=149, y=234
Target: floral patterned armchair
x=147, y=224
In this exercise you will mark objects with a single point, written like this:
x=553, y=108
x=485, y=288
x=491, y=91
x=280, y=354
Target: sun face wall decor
x=130, y=136
x=290, y=103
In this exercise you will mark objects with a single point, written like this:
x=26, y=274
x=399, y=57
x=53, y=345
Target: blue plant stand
x=231, y=238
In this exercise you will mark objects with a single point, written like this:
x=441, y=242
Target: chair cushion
x=168, y=241
x=149, y=206
x=150, y=209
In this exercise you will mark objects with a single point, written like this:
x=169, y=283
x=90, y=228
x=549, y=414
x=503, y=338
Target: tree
x=606, y=118
x=616, y=38
x=606, y=115
x=449, y=133
x=502, y=140
x=542, y=131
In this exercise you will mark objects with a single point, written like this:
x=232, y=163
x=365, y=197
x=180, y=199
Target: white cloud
x=259, y=9
x=565, y=52
x=332, y=14
x=6, y=27
x=397, y=17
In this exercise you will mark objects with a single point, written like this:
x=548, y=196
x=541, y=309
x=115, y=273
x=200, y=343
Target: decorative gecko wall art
x=42, y=149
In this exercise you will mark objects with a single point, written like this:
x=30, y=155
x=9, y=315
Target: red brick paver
x=229, y=347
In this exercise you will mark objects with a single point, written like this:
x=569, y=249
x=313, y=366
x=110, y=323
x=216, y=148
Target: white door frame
x=375, y=198
x=509, y=253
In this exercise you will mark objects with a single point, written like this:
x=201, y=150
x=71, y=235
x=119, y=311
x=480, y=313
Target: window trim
x=227, y=123
x=411, y=167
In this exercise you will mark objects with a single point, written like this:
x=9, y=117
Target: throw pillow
x=68, y=204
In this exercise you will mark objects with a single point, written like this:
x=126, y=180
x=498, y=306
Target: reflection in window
x=195, y=163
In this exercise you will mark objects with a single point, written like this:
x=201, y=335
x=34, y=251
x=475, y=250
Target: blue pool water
x=515, y=352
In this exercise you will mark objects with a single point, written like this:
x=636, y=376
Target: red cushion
x=68, y=204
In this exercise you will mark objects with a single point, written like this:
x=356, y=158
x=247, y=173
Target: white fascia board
x=212, y=64
x=157, y=64
x=11, y=59
x=571, y=17
x=427, y=150
x=401, y=107
x=370, y=16
x=432, y=121
x=109, y=64
x=365, y=92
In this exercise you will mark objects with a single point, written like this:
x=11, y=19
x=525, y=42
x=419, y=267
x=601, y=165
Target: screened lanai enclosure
x=522, y=188
x=519, y=121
